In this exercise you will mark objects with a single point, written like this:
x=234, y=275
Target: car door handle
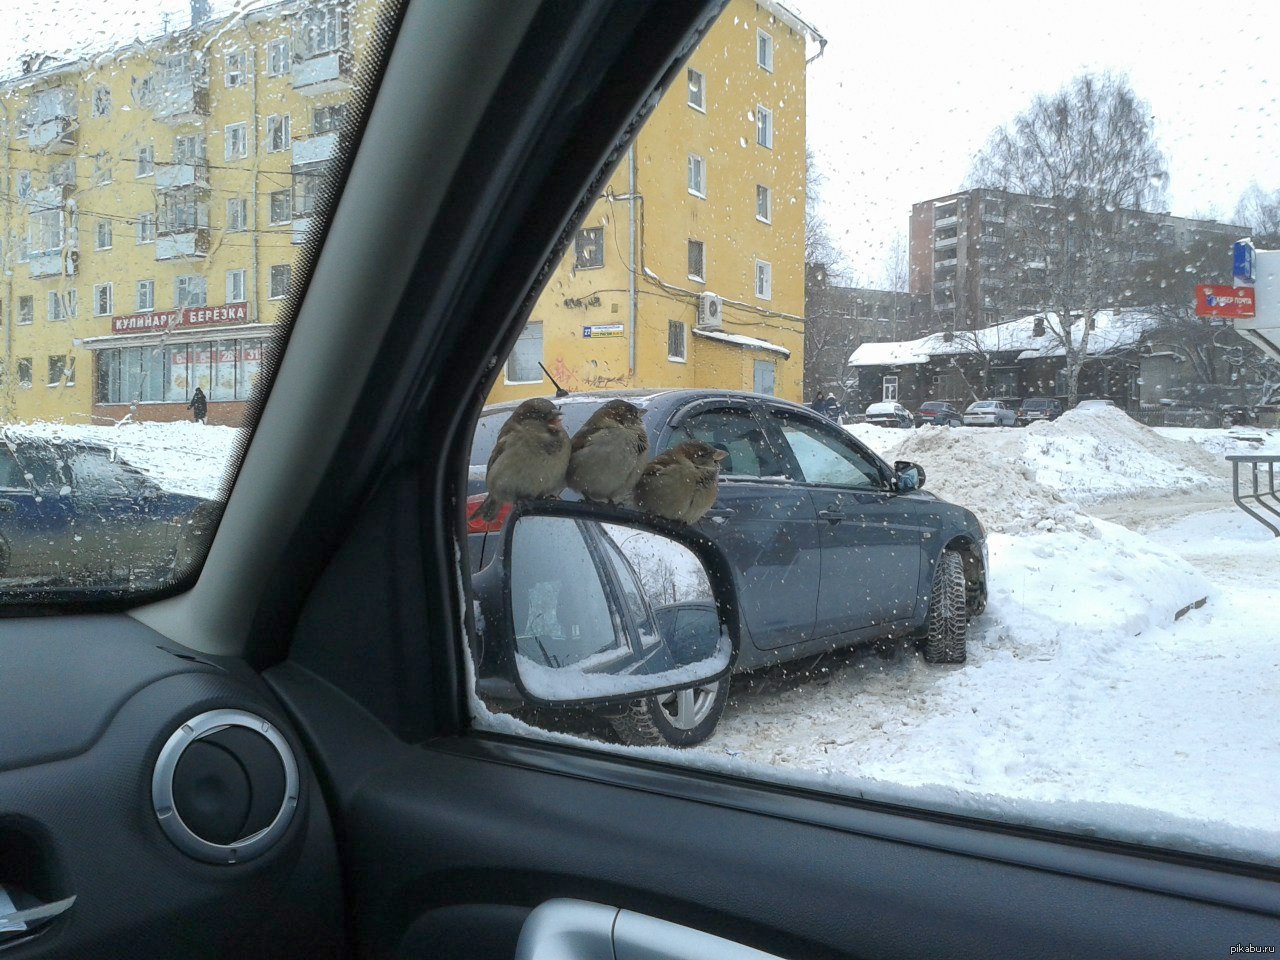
x=834, y=516
x=720, y=512
x=579, y=930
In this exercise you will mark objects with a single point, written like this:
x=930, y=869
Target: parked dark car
x=829, y=545
x=890, y=414
x=74, y=512
x=1038, y=408
x=939, y=414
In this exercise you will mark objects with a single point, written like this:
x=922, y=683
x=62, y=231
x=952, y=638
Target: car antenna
x=560, y=391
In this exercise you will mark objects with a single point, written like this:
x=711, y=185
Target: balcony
x=944, y=264
x=945, y=242
x=946, y=221
x=315, y=149
x=993, y=218
x=183, y=102
x=53, y=263
x=301, y=228
x=55, y=135
x=324, y=73
x=193, y=242
x=174, y=175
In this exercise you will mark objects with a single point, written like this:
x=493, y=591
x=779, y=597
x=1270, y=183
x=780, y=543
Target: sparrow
x=682, y=483
x=608, y=453
x=529, y=460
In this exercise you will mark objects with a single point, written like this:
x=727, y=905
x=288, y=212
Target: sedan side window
x=738, y=433
x=11, y=477
x=825, y=459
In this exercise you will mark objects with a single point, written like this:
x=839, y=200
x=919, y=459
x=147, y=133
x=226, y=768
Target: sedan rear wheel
x=947, y=627
x=679, y=719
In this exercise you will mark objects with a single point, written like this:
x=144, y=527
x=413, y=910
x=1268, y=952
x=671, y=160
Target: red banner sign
x=181, y=320
x=1233, y=302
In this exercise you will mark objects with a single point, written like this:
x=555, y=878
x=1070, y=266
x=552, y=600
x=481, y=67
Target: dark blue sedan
x=830, y=545
x=74, y=513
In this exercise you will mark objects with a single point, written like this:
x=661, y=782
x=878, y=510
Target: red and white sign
x=180, y=320
x=1236, y=303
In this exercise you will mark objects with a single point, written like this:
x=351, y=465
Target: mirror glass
x=605, y=610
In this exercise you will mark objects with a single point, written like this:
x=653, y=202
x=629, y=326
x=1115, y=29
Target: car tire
x=946, y=631
x=681, y=719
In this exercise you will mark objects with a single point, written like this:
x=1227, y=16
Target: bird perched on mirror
x=529, y=460
x=682, y=483
x=608, y=452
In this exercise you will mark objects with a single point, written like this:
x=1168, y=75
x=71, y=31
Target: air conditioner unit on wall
x=710, y=311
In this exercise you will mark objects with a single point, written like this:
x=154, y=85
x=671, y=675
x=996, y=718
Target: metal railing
x=1259, y=496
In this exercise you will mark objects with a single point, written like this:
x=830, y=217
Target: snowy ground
x=1084, y=705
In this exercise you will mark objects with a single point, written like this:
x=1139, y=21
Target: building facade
x=689, y=269
x=158, y=197
x=972, y=255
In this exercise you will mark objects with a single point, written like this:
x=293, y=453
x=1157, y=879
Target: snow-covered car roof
x=884, y=407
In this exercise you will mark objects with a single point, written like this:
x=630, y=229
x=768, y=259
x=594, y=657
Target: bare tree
x=1260, y=212
x=1085, y=160
x=830, y=334
x=818, y=245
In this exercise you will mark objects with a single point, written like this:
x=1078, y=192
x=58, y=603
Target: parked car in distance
x=1096, y=404
x=75, y=514
x=1038, y=408
x=990, y=413
x=890, y=414
x=938, y=413
x=829, y=545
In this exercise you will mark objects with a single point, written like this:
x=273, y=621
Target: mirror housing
x=908, y=476
x=571, y=613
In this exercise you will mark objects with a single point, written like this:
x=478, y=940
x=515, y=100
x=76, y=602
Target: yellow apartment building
x=157, y=196
x=689, y=270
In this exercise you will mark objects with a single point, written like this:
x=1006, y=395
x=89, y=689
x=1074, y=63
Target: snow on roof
x=1113, y=330
x=751, y=343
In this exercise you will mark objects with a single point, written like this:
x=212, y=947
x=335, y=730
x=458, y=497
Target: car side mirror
x=587, y=605
x=910, y=476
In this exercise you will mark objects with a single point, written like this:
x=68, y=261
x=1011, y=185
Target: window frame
x=701, y=247
x=238, y=275
x=700, y=104
x=764, y=50
x=233, y=133
x=27, y=301
x=512, y=358
x=763, y=191
x=278, y=137
x=588, y=240
x=683, y=355
x=98, y=233
x=697, y=179
x=276, y=68
x=767, y=276
x=764, y=126
x=277, y=271
x=146, y=162
x=240, y=222
x=237, y=75
x=98, y=290
x=280, y=207
x=150, y=286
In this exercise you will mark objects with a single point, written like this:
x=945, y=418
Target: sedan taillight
x=479, y=524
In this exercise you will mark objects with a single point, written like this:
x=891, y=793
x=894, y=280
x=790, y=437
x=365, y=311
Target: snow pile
x=1221, y=443
x=1034, y=478
x=183, y=457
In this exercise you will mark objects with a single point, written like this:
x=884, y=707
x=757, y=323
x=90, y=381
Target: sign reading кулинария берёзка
x=181, y=319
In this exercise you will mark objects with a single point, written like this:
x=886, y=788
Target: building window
x=70, y=377
x=278, y=57
x=223, y=369
x=764, y=126
x=182, y=211
x=237, y=68
x=102, y=174
x=102, y=235
x=277, y=133
x=281, y=206
x=24, y=184
x=26, y=310
x=328, y=119
x=62, y=305
x=323, y=29
x=764, y=50
x=146, y=228
x=764, y=204
x=676, y=346
x=236, y=286
x=24, y=372
x=697, y=90
x=189, y=149
x=191, y=291
x=235, y=141
x=697, y=176
x=764, y=279
x=889, y=389
x=307, y=178
x=146, y=161
x=63, y=174
x=57, y=370
x=523, y=364
x=279, y=288
x=102, y=300
x=697, y=260
x=237, y=215
x=588, y=248
x=146, y=296
x=102, y=102
x=764, y=376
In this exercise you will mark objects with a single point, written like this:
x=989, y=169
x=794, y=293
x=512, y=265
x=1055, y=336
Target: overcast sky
x=907, y=93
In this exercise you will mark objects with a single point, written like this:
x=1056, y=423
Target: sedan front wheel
x=947, y=627
x=680, y=719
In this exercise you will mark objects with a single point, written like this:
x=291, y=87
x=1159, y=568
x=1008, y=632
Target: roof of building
x=1113, y=330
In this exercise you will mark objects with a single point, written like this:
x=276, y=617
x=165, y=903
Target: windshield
x=168, y=166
